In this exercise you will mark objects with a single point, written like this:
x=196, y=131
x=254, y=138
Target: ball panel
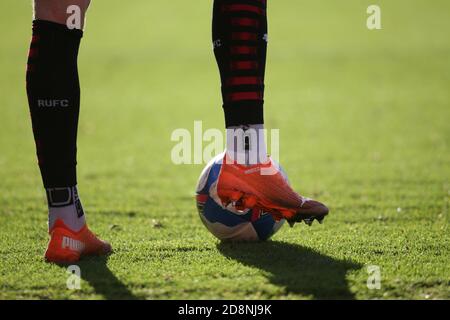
x=241, y=232
x=266, y=226
x=209, y=175
x=216, y=213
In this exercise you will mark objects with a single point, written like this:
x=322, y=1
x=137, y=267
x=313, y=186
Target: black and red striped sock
x=240, y=45
x=54, y=99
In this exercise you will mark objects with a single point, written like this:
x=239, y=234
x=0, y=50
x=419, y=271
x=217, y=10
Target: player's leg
x=240, y=44
x=54, y=99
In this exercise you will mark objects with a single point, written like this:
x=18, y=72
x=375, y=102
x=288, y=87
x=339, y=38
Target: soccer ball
x=230, y=224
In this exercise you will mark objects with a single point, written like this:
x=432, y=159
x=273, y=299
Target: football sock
x=239, y=31
x=246, y=145
x=64, y=204
x=54, y=99
x=240, y=45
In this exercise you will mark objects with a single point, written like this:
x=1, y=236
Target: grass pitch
x=364, y=126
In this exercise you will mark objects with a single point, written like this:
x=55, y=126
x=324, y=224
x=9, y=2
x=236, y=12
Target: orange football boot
x=263, y=186
x=67, y=246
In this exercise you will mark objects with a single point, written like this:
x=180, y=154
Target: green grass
x=364, y=125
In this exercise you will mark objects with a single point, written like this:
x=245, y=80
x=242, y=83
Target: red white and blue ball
x=230, y=224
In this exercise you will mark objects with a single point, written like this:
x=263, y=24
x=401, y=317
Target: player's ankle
x=64, y=205
x=246, y=144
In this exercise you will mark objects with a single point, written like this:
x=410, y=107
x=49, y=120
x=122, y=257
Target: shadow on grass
x=95, y=271
x=298, y=269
